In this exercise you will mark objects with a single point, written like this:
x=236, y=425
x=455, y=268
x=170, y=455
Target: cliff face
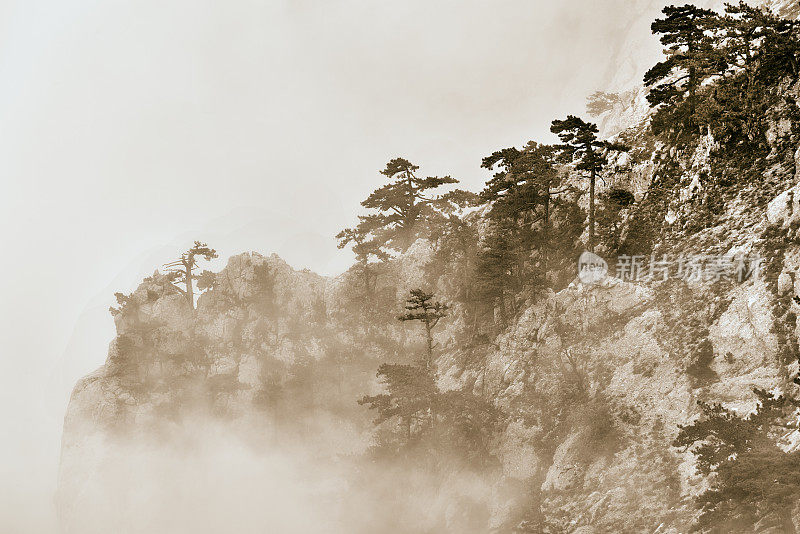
x=273, y=358
x=621, y=346
x=251, y=398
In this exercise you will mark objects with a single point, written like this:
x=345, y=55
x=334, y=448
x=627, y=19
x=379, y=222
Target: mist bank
x=459, y=377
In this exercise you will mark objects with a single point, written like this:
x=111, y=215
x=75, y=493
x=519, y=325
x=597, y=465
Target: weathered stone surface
x=263, y=323
x=744, y=345
x=785, y=208
x=517, y=454
x=569, y=463
x=250, y=371
x=785, y=283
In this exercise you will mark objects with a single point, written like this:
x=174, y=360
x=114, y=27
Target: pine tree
x=609, y=220
x=525, y=189
x=582, y=147
x=367, y=251
x=410, y=393
x=524, y=185
x=532, y=226
x=421, y=307
x=519, y=194
x=755, y=481
x=601, y=101
x=401, y=205
x=182, y=270
x=496, y=263
x=688, y=33
x=446, y=426
x=758, y=49
x=755, y=39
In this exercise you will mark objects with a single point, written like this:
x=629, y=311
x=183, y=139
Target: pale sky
x=130, y=128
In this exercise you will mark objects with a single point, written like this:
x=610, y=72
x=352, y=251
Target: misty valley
x=601, y=339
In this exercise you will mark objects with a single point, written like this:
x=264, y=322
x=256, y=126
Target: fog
x=132, y=128
x=209, y=477
x=205, y=480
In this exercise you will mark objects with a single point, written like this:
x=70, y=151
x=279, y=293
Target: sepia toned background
x=131, y=128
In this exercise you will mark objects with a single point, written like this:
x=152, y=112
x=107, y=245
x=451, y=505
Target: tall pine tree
x=587, y=152
x=497, y=264
x=527, y=188
x=756, y=483
x=402, y=205
x=421, y=307
x=688, y=32
x=367, y=251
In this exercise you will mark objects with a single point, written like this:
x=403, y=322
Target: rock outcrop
x=619, y=346
x=595, y=378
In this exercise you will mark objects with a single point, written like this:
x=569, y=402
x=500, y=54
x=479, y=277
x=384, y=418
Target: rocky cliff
x=274, y=357
x=261, y=379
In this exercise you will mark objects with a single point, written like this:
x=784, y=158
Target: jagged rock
x=744, y=346
x=264, y=327
x=569, y=463
x=785, y=8
x=249, y=351
x=785, y=208
x=778, y=130
x=411, y=266
x=628, y=110
x=173, y=311
x=797, y=165
x=520, y=460
x=785, y=283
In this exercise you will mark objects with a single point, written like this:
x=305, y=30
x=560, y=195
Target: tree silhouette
x=366, y=249
x=582, y=147
x=410, y=395
x=401, y=205
x=421, y=308
x=755, y=482
x=525, y=189
x=687, y=32
x=182, y=270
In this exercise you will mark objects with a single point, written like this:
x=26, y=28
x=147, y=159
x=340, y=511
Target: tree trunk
x=410, y=217
x=189, y=280
x=519, y=258
x=692, y=83
x=546, y=240
x=692, y=93
x=429, y=362
x=591, y=209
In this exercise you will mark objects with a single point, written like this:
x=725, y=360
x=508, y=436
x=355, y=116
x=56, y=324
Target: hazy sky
x=130, y=128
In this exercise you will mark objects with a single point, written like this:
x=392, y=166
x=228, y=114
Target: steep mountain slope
x=275, y=358
x=253, y=394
